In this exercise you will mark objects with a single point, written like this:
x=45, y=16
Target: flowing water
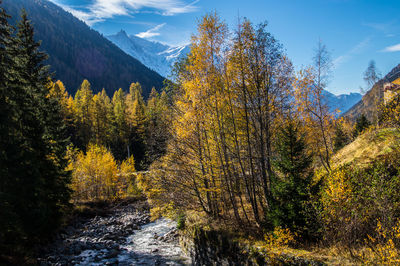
x=124, y=237
x=154, y=244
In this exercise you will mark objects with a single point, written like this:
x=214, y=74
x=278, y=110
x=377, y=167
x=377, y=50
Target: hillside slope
x=369, y=103
x=77, y=52
x=368, y=147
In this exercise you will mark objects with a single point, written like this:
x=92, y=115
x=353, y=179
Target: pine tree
x=36, y=179
x=10, y=139
x=362, y=123
x=156, y=125
x=341, y=139
x=291, y=189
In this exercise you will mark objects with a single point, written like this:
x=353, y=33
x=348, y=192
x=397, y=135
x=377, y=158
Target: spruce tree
x=9, y=139
x=36, y=177
x=291, y=188
x=362, y=123
x=341, y=139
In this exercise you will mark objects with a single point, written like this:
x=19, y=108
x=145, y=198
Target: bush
x=181, y=222
x=353, y=198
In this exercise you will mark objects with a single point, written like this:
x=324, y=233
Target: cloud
x=353, y=51
x=151, y=32
x=99, y=10
x=387, y=28
x=394, y=48
x=84, y=16
x=378, y=26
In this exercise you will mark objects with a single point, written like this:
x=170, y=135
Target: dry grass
x=368, y=146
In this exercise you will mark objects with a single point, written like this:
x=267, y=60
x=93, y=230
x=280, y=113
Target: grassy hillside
x=368, y=147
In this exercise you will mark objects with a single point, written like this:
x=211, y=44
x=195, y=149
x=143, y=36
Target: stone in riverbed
x=112, y=262
x=112, y=254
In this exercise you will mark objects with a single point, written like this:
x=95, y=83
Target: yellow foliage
x=337, y=188
x=278, y=240
x=95, y=175
x=381, y=248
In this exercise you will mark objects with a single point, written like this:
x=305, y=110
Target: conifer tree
x=156, y=125
x=102, y=114
x=291, y=188
x=340, y=140
x=82, y=105
x=136, y=111
x=9, y=138
x=120, y=125
x=36, y=177
x=362, y=123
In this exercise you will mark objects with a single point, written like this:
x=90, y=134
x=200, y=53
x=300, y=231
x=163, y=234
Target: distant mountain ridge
x=342, y=102
x=78, y=52
x=368, y=105
x=156, y=56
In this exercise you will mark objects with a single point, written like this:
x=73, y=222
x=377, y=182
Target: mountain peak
x=157, y=56
x=122, y=33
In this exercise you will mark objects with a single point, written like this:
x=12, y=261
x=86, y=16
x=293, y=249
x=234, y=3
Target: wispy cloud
x=353, y=51
x=82, y=15
x=394, y=48
x=99, y=10
x=378, y=26
x=387, y=28
x=151, y=32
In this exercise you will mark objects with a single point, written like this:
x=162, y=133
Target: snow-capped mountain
x=156, y=56
x=160, y=58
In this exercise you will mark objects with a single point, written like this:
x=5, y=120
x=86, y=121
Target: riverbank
x=119, y=233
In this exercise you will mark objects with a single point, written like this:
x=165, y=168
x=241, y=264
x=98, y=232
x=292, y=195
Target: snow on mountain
x=156, y=56
x=161, y=57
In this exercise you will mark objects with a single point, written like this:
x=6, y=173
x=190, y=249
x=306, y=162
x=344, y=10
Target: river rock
x=125, y=237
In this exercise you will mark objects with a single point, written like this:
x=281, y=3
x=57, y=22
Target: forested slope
x=78, y=52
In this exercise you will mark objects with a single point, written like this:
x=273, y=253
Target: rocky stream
x=121, y=235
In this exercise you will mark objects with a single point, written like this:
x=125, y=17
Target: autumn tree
x=232, y=94
x=83, y=102
x=97, y=175
x=309, y=92
x=136, y=119
x=101, y=114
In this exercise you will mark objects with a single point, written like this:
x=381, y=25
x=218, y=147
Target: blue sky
x=354, y=31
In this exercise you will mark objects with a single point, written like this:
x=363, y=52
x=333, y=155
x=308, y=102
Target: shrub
x=181, y=222
x=354, y=198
